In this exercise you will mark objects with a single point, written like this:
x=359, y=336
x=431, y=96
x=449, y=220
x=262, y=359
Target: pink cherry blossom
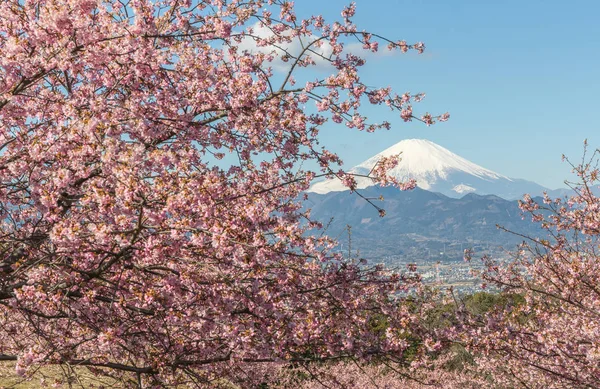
x=152, y=170
x=546, y=334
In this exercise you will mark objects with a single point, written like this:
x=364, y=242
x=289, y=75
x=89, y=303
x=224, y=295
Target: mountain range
x=417, y=222
x=456, y=205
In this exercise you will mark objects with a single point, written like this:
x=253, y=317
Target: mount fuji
x=437, y=169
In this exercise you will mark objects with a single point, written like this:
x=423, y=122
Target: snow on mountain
x=436, y=169
x=462, y=188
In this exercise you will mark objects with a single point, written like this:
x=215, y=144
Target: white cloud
x=295, y=47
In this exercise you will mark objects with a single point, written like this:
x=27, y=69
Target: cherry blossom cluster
x=547, y=332
x=151, y=221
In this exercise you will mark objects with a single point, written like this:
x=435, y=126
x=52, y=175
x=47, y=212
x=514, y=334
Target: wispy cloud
x=293, y=48
x=320, y=54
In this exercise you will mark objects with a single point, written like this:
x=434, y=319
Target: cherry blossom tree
x=547, y=334
x=151, y=180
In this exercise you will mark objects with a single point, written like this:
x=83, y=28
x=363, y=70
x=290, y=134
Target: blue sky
x=519, y=78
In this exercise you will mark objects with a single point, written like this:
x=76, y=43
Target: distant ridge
x=437, y=169
x=419, y=223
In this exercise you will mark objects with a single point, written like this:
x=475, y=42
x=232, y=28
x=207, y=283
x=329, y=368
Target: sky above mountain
x=520, y=80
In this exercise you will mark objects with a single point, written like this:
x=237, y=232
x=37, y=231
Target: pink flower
x=406, y=114
x=427, y=119
x=444, y=117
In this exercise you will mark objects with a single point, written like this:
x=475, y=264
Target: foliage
x=150, y=168
x=548, y=335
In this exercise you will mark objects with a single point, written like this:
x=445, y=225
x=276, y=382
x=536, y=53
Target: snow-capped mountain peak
x=424, y=160
x=436, y=169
